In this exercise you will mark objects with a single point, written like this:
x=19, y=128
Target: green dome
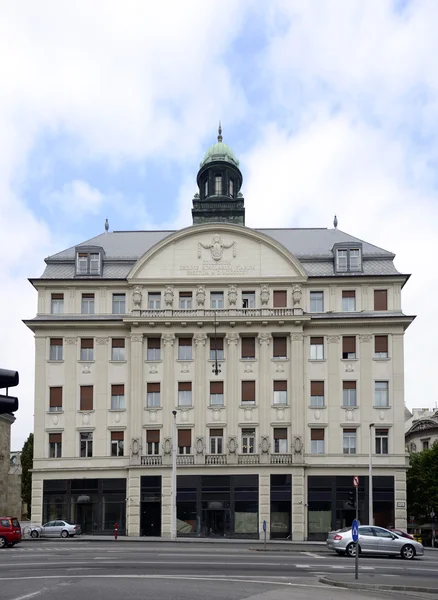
x=220, y=151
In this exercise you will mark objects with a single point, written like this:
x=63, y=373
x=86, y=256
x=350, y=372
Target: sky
x=107, y=108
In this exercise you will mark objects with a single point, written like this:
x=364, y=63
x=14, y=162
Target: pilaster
x=133, y=503
x=265, y=392
x=333, y=384
x=200, y=340
x=70, y=442
x=297, y=396
x=400, y=504
x=299, y=526
x=264, y=505
x=233, y=394
x=102, y=396
x=37, y=498
x=136, y=393
x=166, y=504
x=169, y=386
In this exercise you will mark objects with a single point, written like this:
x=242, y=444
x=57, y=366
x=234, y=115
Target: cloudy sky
x=107, y=107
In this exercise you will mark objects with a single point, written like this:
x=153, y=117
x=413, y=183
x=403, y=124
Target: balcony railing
x=281, y=459
x=215, y=459
x=151, y=461
x=248, y=459
x=185, y=460
x=153, y=313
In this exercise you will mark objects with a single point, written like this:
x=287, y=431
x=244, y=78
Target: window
x=56, y=348
x=317, y=441
x=349, y=393
x=348, y=301
x=348, y=259
x=55, y=445
x=57, y=305
x=381, y=346
x=280, y=392
x=248, y=441
x=216, y=393
x=94, y=263
x=217, y=348
x=184, y=348
x=185, y=300
x=117, y=443
x=119, y=304
x=88, y=263
x=231, y=188
x=86, y=397
x=206, y=188
x=382, y=441
x=86, y=444
x=354, y=259
x=216, y=300
x=87, y=349
x=280, y=440
x=154, y=348
x=154, y=300
x=218, y=185
x=87, y=306
x=117, y=397
x=248, y=348
x=316, y=302
x=82, y=263
x=184, y=441
x=248, y=392
x=153, y=395
x=118, y=349
x=381, y=393
x=55, y=399
x=248, y=299
x=342, y=260
x=380, y=299
x=316, y=348
x=185, y=393
x=425, y=444
x=216, y=441
x=153, y=441
x=349, y=441
x=280, y=298
x=280, y=347
x=348, y=347
x=317, y=393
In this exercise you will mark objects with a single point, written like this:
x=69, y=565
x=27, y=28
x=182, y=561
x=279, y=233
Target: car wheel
x=64, y=533
x=3, y=543
x=408, y=552
x=351, y=550
x=34, y=533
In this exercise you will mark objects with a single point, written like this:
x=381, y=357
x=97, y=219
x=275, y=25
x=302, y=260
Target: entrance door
x=85, y=517
x=217, y=522
x=150, y=523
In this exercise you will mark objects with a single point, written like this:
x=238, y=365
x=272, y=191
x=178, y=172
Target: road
x=110, y=570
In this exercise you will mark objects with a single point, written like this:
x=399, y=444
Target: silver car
x=374, y=540
x=58, y=529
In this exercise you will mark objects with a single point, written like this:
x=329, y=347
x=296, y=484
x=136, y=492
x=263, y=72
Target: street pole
x=370, y=481
x=356, y=558
x=173, y=482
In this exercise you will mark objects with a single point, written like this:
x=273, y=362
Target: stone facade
x=10, y=480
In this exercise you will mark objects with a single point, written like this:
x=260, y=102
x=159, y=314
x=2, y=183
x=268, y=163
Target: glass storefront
x=150, y=506
x=281, y=507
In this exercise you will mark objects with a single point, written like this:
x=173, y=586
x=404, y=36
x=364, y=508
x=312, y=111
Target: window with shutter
x=87, y=349
x=381, y=346
x=349, y=393
x=118, y=349
x=185, y=300
x=184, y=348
x=248, y=392
x=56, y=349
x=216, y=393
x=217, y=348
x=348, y=347
x=349, y=441
x=117, y=397
x=280, y=440
x=248, y=348
x=280, y=347
x=86, y=397
x=185, y=393
x=216, y=441
x=348, y=301
x=184, y=441
x=380, y=299
x=153, y=395
x=55, y=445
x=117, y=443
x=248, y=441
x=316, y=393
x=57, y=304
x=87, y=304
x=280, y=392
x=317, y=441
x=154, y=348
x=316, y=348
x=119, y=304
x=153, y=441
x=55, y=399
x=280, y=299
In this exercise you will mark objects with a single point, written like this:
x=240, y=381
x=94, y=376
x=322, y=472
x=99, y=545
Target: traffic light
x=8, y=379
x=351, y=501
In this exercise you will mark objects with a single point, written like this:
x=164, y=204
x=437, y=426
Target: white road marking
x=27, y=596
x=313, y=555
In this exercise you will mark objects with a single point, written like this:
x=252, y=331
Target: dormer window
x=348, y=260
x=218, y=185
x=88, y=262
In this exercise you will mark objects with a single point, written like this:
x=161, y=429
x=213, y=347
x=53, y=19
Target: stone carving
x=184, y=415
x=232, y=295
x=248, y=368
x=85, y=419
x=136, y=337
x=200, y=339
x=297, y=295
x=200, y=445
x=333, y=339
x=216, y=414
x=102, y=341
x=168, y=296
x=55, y=420
x=185, y=368
x=153, y=369
x=248, y=414
x=71, y=340
x=168, y=339
x=232, y=339
x=264, y=294
x=349, y=368
x=135, y=446
x=298, y=444
x=153, y=416
x=200, y=295
x=117, y=418
x=265, y=338
x=365, y=338
x=296, y=337
x=317, y=415
x=86, y=370
x=216, y=248
x=349, y=415
x=382, y=415
x=280, y=414
x=279, y=367
x=232, y=444
x=167, y=445
x=137, y=296
x=264, y=444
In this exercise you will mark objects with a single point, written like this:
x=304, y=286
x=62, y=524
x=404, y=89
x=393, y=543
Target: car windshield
x=15, y=523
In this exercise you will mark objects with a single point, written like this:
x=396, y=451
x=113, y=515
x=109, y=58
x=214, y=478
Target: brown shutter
x=87, y=343
x=154, y=342
x=280, y=386
x=280, y=346
x=56, y=341
x=184, y=386
x=317, y=388
x=118, y=390
x=381, y=343
x=248, y=391
x=55, y=438
x=185, y=294
x=317, y=434
x=348, y=294
x=316, y=341
x=153, y=436
x=380, y=299
x=117, y=436
x=83, y=254
x=248, y=347
x=57, y=296
x=216, y=387
x=382, y=431
x=349, y=430
x=86, y=397
x=349, y=385
x=153, y=387
x=280, y=433
x=55, y=397
x=184, y=437
x=185, y=341
x=118, y=342
x=349, y=343
x=280, y=298
x=87, y=296
x=217, y=343
x=216, y=432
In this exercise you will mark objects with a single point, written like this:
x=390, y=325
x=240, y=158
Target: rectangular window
x=184, y=441
x=280, y=440
x=248, y=299
x=425, y=444
x=348, y=347
x=381, y=346
x=206, y=188
x=86, y=397
x=248, y=392
x=153, y=395
x=317, y=393
x=117, y=443
x=317, y=441
x=231, y=188
x=355, y=259
x=153, y=441
x=381, y=393
x=316, y=348
x=118, y=349
x=94, y=264
x=88, y=263
x=216, y=441
x=280, y=392
x=248, y=441
x=316, y=302
x=380, y=299
x=57, y=304
x=154, y=348
x=55, y=445
x=348, y=301
x=185, y=300
x=342, y=260
x=184, y=348
x=216, y=300
x=248, y=348
x=280, y=298
x=349, y=441
x=217, y=348
x=117, y=397
x=56, y=348
x=185, y=393
x=280, y=347
x=87, y=305
x=82, y=263
x=382, y=441
x=86, y=444
x=154, y=300
x=218, y=185
x=55, y=399
x=119, y=304
x=87, y=349
x=216, y=393
x=349, y=393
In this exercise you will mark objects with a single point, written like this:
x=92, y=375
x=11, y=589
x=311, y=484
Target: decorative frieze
x=136, y=337
x=265, y=444
x=102, y=341
x=365, y=338
x=200, y=339
x=71, y=340
x=168, y=339
x=199, y=445
x=333, y=339
x=232, y=444
x=297, y=337
x=232, y=339
x=298, y=444
x=264, y=338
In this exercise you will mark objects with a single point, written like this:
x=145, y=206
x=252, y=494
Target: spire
x=106, y=225
x=219, y=131
x=335, y=222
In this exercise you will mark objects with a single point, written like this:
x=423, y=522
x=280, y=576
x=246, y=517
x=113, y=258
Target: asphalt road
x=108, y=570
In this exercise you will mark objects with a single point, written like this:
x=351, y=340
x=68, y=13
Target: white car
x=56, y=529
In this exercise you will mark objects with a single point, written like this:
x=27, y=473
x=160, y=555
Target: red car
x=10, y=531
x=403, y=534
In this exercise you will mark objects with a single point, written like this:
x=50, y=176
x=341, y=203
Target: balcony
x=207, y=312
x=248, y=459
x=215, y=459
x=281, y=459
x=152, y=461
x=185, y=460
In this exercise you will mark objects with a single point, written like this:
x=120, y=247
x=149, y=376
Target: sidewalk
x=367, y=581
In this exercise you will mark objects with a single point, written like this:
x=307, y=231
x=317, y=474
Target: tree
x=422, y=484
x=26, y=475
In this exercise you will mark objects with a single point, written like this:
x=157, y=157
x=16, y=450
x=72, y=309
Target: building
x=277, y=348
x=421, y=429
x=10, y=472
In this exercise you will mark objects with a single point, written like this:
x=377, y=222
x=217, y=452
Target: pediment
x=423, y=425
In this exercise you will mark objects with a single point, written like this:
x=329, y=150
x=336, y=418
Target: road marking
x=27, y=596
x=313, y=554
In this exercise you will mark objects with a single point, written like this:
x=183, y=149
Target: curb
x=377, y=586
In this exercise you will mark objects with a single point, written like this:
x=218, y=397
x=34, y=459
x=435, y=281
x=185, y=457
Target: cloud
x=77, y=199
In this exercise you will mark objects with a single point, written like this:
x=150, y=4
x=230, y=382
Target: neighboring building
x=307, y=328
x=421, y=429
x=10, y=478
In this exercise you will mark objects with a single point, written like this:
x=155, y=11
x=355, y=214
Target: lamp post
x=173, y=482
x=370, y=480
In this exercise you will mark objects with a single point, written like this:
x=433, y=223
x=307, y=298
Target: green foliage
x=26, y=477
x=422, y=484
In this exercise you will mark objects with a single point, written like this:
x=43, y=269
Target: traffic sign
x=355, y=531
x=355, y=481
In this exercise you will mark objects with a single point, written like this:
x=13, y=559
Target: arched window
x=206, y=188
x=218, y=185
x=231, y=188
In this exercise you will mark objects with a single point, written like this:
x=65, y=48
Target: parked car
x=10, y=531
x=401, y=533
x=374, y=540
x=56, y=529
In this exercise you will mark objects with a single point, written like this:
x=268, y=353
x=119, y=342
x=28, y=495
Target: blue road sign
x=264, y=525
x=355, y=530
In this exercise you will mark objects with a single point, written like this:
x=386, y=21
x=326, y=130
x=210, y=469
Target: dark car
x=10, y=531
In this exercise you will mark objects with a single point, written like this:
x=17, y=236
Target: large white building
x=281, y=351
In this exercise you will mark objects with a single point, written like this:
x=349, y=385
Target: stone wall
x=10, y=483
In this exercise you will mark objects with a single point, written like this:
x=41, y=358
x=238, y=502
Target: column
x=232, y=399
x=298, y=401
x=101, y=400
x=264, y=504
x=168, y=397
x=136, y=398
x=264, y=393
x=200, y=389
x=133, y=503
